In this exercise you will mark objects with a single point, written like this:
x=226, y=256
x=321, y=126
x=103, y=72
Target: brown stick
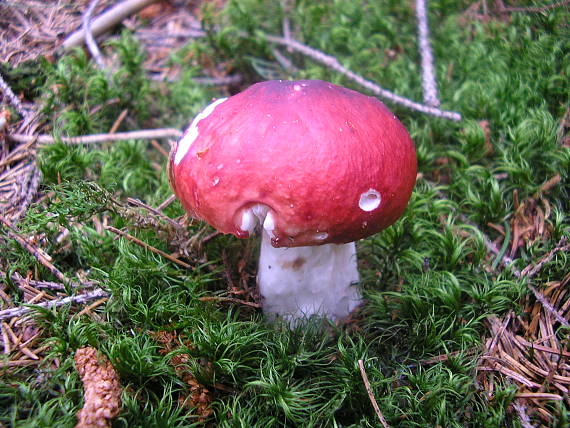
x=371, y=395
x=118, y=121
x=145, y=134
x=538, y=395
x=148, y=247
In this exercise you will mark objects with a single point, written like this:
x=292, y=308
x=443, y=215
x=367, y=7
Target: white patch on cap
x=297, y=87
x=370, y=200
x=321, y=236
x=192, y=132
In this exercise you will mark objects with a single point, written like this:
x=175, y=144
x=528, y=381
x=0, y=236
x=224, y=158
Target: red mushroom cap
x=329, y=164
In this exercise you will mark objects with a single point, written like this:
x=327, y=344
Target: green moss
x=428, y=279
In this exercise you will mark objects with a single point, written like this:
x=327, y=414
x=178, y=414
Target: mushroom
x=316, y=167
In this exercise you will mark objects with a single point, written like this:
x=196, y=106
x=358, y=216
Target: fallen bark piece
x=102, y=391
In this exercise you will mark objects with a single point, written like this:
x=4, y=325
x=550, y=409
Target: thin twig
x=332, y=63
x=145, y=134
x=538, y=395
x=523, y=416
x=370, y=394
x=499, y=333
x=106, y=21
x=530, y=271
x=229, y=300
x=14, y=100
x=285, y=62
x=429, y=84
x=327, y=60
x=155, y=211
x=234, y=79
x=77, y=299
x=91, y=307
x=39, y=255
x=89, y=39
x=548, y=306
x=50, y=285
x=148, y=246
x=19, y=363
x=166, y=202
x=118, y=121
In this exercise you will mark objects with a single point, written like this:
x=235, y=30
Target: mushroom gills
x=255, y=215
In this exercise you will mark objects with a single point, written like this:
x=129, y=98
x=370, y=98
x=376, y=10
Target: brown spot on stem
x=295, y=264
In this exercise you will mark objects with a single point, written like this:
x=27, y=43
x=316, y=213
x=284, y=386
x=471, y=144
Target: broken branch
x=332, y=63
x=146, y=134
x=429, y=84
x=106, y=21
x=78, y=299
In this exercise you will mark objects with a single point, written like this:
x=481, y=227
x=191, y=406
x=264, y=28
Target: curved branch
x=332, y=63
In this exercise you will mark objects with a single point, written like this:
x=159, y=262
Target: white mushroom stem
x=299, y=282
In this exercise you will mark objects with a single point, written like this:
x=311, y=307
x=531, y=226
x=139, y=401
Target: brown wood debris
x=531, y=351
x=102, y=391
x=32, y=28
x=198, y=398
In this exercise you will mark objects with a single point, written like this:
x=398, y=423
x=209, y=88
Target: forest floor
x=117, y=309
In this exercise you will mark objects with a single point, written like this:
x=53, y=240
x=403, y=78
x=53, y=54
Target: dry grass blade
x=371, y=394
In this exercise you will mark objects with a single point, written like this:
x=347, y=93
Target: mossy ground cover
x=430, y=281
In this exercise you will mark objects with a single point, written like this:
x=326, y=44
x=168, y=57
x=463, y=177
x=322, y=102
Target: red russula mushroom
x=316, y=165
